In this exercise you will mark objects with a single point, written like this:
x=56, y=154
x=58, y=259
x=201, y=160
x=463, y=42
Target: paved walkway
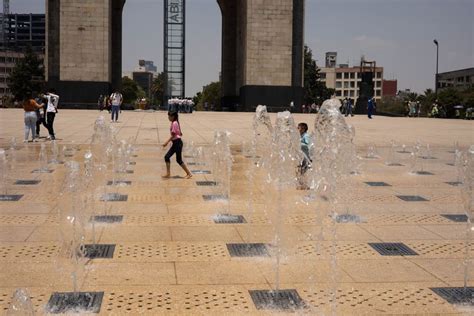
x=171, y=257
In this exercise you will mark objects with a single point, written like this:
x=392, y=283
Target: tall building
x=148, y=66
x=461, y=79
x=18, y=32
x=347, y=80
x=331, y=59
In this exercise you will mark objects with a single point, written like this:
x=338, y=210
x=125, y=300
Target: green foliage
x=391, y=105
x=448, y=98
x=131, y=91
x=315, y=91
x=197, y=100
x=158, y=87
x=212, y=95
x=27, y=77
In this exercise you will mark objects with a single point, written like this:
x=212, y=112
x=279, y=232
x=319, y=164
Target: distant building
x=461, y=79
x=389, y=88
x=147, y=66
x=331, y=59
x=18, y=32
x=346, y=81
x=145, y=80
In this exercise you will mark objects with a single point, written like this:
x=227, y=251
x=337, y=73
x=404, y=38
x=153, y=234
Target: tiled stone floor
x=172, y=258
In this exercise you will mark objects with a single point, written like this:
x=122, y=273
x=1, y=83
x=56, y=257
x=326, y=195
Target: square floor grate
x=458, y=218
x=108, y=219
x=395, y=164
x=229, y=219
x=277, y=299
x=214, y=197
x=72, y=302
x=27, y=182
x=378, y=184
x=454, y=183
x=206, y=183
x=10, y=197
x=119, y=182
x=411, y=198
x=456, y=295
x=114, y=197
x=196, y=163
x=393, y=249
x=201, y=171
x=248, y=250
x=349, y=218
x=99, y=251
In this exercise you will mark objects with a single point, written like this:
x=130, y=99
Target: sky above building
x=397, y=34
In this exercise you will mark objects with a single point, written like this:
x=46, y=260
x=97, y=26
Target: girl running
x=177, y=146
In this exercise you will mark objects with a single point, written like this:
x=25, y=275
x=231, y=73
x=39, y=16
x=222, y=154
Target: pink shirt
x=175, y=130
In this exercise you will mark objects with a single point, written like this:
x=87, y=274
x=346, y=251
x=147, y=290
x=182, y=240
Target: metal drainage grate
x=10, y=197
x=42, y=171
x=277, y=299
x=454, y=183
x=395, y=164
x=229, y=219
x=214, y=197
x=424, y=173
x=348, y=218
x=72, y=302
x=248, y=250
x=109, y=219
x=196, y=163
x=27, y=182
x=393, y=249
x=126, y=171
x=201, y=171
x=99, y=251
x=459, y=218
x=114, y=197
x=206, y=183
x=378, y=184
x=119, y=182
x=456, y=295
x=411, y=198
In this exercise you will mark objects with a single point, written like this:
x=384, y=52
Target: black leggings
x=177, y=148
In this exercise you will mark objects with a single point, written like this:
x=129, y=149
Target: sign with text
x=175, y=11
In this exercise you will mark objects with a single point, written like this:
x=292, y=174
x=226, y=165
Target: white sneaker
x=35, y=140
x=49, y=137
x=25, y=141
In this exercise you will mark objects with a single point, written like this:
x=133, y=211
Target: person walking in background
x=52, y=108
x=306, y=144
x=370, y=107
x=116, y=101
x=349, y=107
x=30, y=106
x=176, y=147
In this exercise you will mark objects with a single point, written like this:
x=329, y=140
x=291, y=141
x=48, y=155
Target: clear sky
x=397, y=34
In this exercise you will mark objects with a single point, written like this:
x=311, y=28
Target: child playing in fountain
x=306, y=143
x=176, y=147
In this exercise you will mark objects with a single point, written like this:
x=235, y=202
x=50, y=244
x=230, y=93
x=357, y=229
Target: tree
x=211, y=94
x=315, y=91
x=197, y=99
x=448, y=98
x=131, y=91
x=27, y=77
x=158, y=87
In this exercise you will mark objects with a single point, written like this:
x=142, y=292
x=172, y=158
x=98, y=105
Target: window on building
x=358, y=84
x=460, y=79
x=358, y=75
x=322, y=75
x=339, y=75
x=2, y=59
x=338, y=84
x=346, y=84
x=346, y=75
x=377, y=93
x=353, y=84
x=378, y=84
x=346, y=93
x=379, y=74
x=468, y=79
x=351, y=94
x=352, y=75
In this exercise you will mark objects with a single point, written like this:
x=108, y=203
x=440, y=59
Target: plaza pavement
x=172, y=258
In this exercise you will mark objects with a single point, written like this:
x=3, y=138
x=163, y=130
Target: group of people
x=180, y=105
x=310, y=108
x=112, y=104
x=40, y=111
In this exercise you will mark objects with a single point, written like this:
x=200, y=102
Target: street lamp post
x=436, y=78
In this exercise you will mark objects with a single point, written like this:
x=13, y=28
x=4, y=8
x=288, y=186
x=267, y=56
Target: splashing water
x=21, y=304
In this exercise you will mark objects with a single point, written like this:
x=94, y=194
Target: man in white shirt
x=51, y=110
x=116, y=100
